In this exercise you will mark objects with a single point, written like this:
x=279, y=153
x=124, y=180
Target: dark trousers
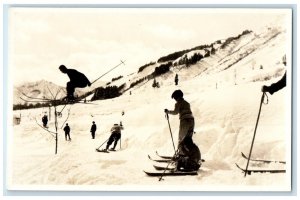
x=67, y=135
x=71, y=87
x=93, y=134
x=114, y=137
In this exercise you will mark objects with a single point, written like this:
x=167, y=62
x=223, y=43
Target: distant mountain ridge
x=38, y=89
x=245, y=49
x=236, y=53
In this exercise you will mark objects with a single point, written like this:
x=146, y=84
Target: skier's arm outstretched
x=173, y=112
x=275, y=86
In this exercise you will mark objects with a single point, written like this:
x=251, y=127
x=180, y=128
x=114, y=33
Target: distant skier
x=93, y=130
x=182, y=107
x=190, y=161
x=115, y=136
x=77, y=79
x=45, y=120
x=278, y=85
x=155, y=84
x=176, y=79
x=67, y=132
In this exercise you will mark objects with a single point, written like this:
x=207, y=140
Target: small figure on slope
x=45, y=120
x=115, y=136
x=67, y=132
x=77, y=79
x=93, y=130
x=176, y=79
x=187, y=124
x=190, y=161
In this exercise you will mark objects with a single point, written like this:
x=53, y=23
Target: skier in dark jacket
x=182, y=107
x=45, y=120
x=93, y=130
x=77, y=79
x=191, y=160
x=67, y=132
x=115, y=136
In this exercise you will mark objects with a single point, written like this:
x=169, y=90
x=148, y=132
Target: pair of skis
x=104, y=150
x=166, y=171
x=249, y=171
x=169, y=171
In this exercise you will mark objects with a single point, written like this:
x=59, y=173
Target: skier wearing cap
x=187, y=124
x=93, y=130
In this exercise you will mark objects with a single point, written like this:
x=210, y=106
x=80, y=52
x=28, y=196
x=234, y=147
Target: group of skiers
x=188, y=156
x=114, y=137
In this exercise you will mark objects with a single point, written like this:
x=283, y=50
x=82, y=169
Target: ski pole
x=63, y=108
x=167, y=116
x=103, y=143
x=261, y=102
x=172, y=159
x=122, y=62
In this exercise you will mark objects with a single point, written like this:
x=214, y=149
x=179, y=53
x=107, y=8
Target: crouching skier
x=191, y=160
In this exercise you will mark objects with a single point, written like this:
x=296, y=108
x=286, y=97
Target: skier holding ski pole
x=187, y=124
x=271, y=89
x=114, y=137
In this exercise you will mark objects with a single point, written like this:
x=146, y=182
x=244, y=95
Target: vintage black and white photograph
x=149, y=99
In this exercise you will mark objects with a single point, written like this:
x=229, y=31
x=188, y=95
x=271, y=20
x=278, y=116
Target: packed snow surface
x=224, y=102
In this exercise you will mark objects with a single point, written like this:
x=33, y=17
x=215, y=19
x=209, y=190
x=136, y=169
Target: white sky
x=93, y=40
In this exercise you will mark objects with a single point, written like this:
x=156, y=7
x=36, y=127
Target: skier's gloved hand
x=265, y=88
x=89, y=84
x=166, y=110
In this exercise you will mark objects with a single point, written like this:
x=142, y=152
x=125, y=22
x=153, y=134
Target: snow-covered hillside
x=39, y=89
x=224, y=91
x=43, y=89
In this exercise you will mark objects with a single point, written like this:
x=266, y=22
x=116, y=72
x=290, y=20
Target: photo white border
x=88, y=3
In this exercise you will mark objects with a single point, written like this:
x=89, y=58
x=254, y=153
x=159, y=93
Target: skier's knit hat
x=177, y=94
